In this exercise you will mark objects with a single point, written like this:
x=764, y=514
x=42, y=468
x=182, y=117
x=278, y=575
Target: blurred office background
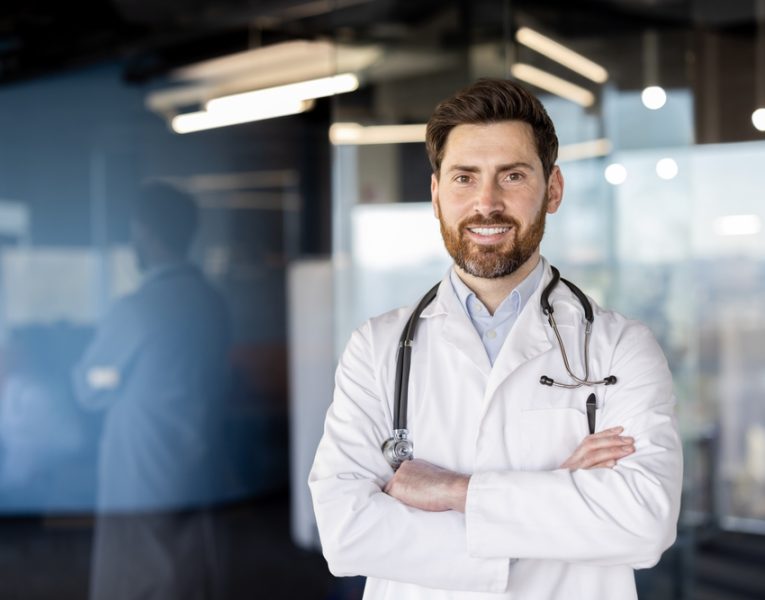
x=313, y=214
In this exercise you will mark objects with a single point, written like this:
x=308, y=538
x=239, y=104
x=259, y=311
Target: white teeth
x=488, y=230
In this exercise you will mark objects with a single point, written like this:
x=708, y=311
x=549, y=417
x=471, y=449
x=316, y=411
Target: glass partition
x=654, y=224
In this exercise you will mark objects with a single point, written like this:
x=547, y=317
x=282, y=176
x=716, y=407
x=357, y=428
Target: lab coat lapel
x=458, y=330
x=527, y=339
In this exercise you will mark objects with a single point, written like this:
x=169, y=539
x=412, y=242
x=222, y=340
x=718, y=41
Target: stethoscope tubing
x=404, y=353
x=404, y=360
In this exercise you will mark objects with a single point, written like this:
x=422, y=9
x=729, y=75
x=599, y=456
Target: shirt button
x=491, y=334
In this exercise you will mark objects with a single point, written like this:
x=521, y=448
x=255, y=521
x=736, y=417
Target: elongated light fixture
x=561, y=54
x=201, y=120
x=584, y=150
x=291, y=92
x=356, y=135
x=553, y=84
x=268, y=103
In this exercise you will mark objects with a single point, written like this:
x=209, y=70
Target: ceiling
x=40, y=37
x=705, y=45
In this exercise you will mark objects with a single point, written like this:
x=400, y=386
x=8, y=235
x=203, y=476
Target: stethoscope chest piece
x=398, y=448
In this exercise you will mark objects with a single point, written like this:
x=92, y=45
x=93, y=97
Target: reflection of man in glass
x=157, y=366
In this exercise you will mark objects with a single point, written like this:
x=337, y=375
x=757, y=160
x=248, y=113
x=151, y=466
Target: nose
x=488, y=200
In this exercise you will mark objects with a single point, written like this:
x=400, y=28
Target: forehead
x=505, y=141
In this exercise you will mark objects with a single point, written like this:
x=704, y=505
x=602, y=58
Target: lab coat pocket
x=553, y=424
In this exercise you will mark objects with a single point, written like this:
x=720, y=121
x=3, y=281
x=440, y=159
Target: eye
x=514, y=176
x=462, y=179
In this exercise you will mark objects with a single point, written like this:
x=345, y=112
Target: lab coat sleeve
x=621, y=516
x=364, y=531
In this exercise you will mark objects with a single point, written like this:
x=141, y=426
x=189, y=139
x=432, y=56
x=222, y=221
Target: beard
x=496, y=260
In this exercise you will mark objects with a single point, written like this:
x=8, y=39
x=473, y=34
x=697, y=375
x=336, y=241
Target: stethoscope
x=399, y=446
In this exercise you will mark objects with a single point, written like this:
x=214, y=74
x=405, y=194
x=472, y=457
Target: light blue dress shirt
x=493, y=329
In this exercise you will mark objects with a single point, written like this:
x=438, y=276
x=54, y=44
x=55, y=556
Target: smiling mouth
x=488, y=230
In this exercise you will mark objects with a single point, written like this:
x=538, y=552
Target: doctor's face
x=491, y=197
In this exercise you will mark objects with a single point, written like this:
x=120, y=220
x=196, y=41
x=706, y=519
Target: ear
x=554, y=190
x=434, y=194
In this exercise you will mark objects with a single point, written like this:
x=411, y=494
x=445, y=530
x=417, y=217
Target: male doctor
x=508, y=496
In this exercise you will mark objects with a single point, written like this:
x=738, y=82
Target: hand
x=600, y=450
x=420, y=484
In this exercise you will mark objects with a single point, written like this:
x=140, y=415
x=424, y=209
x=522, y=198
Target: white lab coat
x=531, y=531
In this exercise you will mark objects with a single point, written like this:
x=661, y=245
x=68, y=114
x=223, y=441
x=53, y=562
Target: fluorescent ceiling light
x=265, y=67
x=354, y=134
x=561, y=54
x=291, y=92
x=268, y=103
x=258, y=59
x=198, y=121
x=281, y=63
x=583, y=150
x=738, y=225
x=551, y=83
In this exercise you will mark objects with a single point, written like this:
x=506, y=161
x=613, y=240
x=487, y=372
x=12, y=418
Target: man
x=507, y=495
x=157, y=367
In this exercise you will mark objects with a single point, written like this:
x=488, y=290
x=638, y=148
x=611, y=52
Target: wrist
x=458, y=491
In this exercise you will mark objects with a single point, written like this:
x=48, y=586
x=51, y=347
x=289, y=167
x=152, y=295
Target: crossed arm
x=583, y=512
x=423, y=485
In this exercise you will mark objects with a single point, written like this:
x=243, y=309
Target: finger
x=592, y=443
x=608, y=464
x=605, y=454
x=607, y=432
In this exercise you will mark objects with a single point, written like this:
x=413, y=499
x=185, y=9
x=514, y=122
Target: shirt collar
x=515, y=300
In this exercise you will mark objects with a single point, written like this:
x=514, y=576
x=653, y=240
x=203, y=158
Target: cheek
x=454, y=203
x=451, y=217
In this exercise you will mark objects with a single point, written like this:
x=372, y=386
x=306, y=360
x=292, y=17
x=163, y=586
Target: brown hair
x=491, y=101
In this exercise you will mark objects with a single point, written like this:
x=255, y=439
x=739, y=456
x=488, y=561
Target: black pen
x=592, y=405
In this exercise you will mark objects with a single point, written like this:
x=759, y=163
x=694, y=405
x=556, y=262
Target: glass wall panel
x=143, y=392
x=660, y=221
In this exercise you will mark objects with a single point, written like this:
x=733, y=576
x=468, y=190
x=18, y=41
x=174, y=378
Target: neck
x=491, y=292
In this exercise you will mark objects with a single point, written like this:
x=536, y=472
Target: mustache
x=479, y=221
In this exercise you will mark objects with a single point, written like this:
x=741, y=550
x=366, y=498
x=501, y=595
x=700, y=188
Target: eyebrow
x=499, y=169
